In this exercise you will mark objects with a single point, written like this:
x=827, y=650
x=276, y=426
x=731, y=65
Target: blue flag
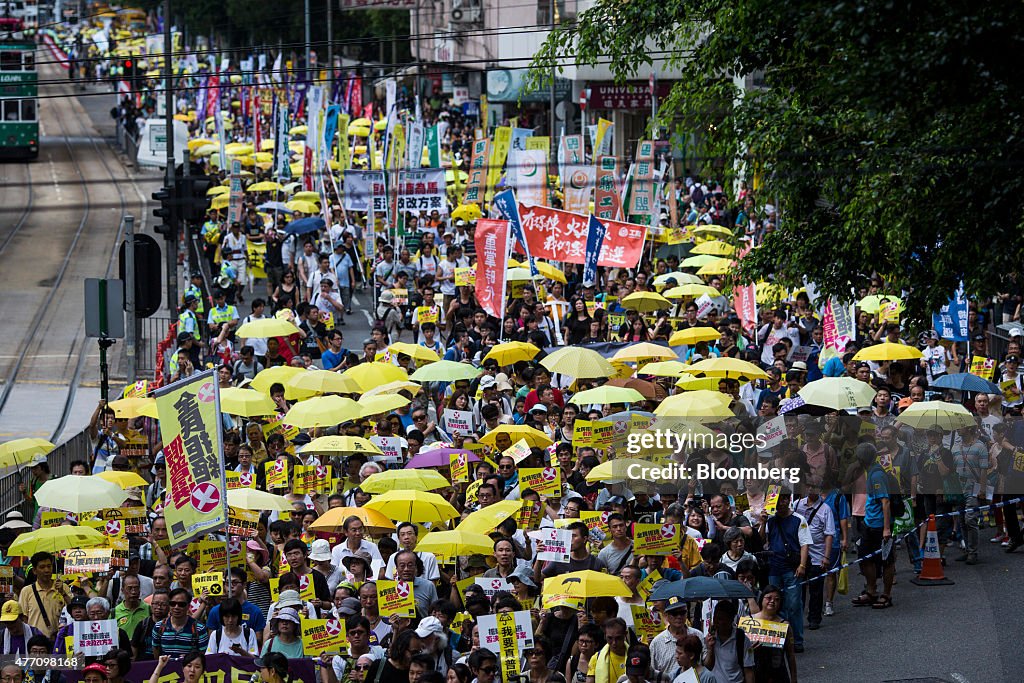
x=596, y=231
x=951, y=320
x=506, y=202
x=330, y=128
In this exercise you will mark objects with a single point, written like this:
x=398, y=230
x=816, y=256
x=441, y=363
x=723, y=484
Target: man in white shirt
x=407, y=539
x=354, y=542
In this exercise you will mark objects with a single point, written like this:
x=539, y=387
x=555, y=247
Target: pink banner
x=491, y=239
x=745, y=302
x=562, y=236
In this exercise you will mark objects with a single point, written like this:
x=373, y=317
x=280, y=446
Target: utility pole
x=171, y=252
x=309, y=54
x=330, y=49
x=129, y=297
x=552, y=144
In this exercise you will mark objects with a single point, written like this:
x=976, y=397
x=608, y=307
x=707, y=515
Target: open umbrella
x=700, y=405
x=715, y=248
x=341, y=444
x=414, y=506
x=305, y=225
x=55, y=539
x=246, y=402
x=334, y=519
x=606, y=395
x=79, y=494
x=415, y=351
x=404, y=480
x=698, y=261
x=888, y=351
x=370, y=375
x=439, y=457
x=945, y=416
x=873, y=302
x=393, y=388
x=509, y=353
x=323, y=411
x=280, y=207
x=266, y=327
x=486, y=519
x=254, y=499
x=21, y=451
x=323, y=382
x=279, y=374
x=719, y=266
x=649, y=390
x=679, y=277
x=694, y=335
x=965, y=381
x=543, y=267
x=621, y=469
x=645, y=302
x=467, y=212
x=578, y=362
x=125, y=480
x=127, y=408
x=691, y=290
x=445, y=371
x=838, y=393
x=586, y=584
x=732, y=368
x=536, y=438
x=383, y=403
x=700, y=588
x=716, y=231
x=264, y=186
x=456, y=543
x=642, y=350
x=665, y=368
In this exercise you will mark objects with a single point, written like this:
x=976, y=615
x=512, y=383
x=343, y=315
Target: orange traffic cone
x=931, y=569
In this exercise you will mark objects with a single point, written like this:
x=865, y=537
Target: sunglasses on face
x=488, y=669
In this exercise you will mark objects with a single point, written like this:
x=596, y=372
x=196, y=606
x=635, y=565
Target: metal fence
x=152, y=331
x=78, y=447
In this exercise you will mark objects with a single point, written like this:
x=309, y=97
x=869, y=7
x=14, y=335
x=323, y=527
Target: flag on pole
x=505, y=201
x=596, y=230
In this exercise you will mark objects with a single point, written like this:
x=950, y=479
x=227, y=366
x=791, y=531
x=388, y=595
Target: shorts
x=240, y=274
x=870, y=541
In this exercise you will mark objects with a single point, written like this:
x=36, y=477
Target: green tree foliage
x=888, y=133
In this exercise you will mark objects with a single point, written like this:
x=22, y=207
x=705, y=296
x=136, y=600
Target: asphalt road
x=969, y=632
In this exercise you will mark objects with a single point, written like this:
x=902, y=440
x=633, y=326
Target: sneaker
x=1014, y=544
x=1005, y=543
x=830, y=612
x=999, y=538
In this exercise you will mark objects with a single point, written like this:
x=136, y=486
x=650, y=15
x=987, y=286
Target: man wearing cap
x=408, y=536
x=16, y=633
x=188, y=319
x=42, y=601
x=639, y=669
x=431, y=633
x=663, y=645
x=222, y=313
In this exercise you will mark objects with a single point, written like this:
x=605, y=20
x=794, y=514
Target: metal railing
x=152, y=331
x=78, y=447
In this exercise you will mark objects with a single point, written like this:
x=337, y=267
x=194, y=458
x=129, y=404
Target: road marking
x=53, y=174
x=959, y=678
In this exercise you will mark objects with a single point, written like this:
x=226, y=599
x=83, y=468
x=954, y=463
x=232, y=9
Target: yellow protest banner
x=306, y=591
x=118, y=551
x=763, y=632
x=459, y=463
x=529, y=515
x=324, y=635
x=213, y=582
x=983, y=367
x=305, y=479
x=278, y=426
x=465, y=277
x=646, y=623
x=402, y=296
x=211, y=556
x=655, y=539
x=190, y=426
x=547, y=481
x=396, y=598
x=645, y=587
x=771, y=499
x=427, y=314
x=134, y=519
x=603, y=434
x=518, y=451
x=257, y=253
x=136, y=389
x=87, y=561
x=1011, y=391
x=239, y=480
x=471, y=490
x=243, y=523
x=542, y=143
x=276, y=472
x=508, y=651
x=108, y=528
x=499, y=152
x=582, y=433
x=52, y=519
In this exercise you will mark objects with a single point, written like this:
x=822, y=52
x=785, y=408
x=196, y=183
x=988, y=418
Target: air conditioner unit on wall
x=465, y=11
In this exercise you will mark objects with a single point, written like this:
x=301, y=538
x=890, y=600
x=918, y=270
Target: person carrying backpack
x=233, y=637
x=728, y=653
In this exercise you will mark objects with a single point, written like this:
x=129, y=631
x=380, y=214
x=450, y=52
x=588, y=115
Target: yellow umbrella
x=486, y=519
x=521, y=275
x=21, y=451
x=334, y=519
x=449, y=176
x=535, y=438
x=266, y=327
x=394, y=388
x=838, y=393
x=607, y=395
x=380, y=125
x=263, y=157
x=467, y=212
x=445, y=371
x=873, y=302
x=578, y=362
x=698, y=260
x=220, y=202
x=635, y=352
x=280, y=374
x=298, y=130
x=543, y=267
x=234, y=149
x=55, y=539
x=679, y=277
x=715, y=248
x=666, y=368
x=217, y=190
x=311, y=197
x=944, y=416
x=719, y=266
x=383, y=403
x=369, y=375
x=79, y=494
x=323, y=411
x=127, y=408
x=712, y=231
x=691, y=383
x=264, y=186
x=690, y=290
x=323, y=382
x=196, y=143
x=621, y=469
x=509, y=353
x=266, y=145
x=726, y=367
x=694, y=335
x=341, y=444
x=296, y=146
x=646, y=301
x=125, y=480
x=404, y=480
x=415, y=351
x=888, y=351
x=246, y=402
x=769, y=292
x=586, y=584
x=450, y=544
x=414, y=506
x=700, y=405
x=254, y=499
x=302, y=206
x=358, y=131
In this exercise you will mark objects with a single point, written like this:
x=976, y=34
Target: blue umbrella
x=965, y=381
x=700, y=588
x=280, y=207
x=304, y=225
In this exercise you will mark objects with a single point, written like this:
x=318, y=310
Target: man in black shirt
x=316, y=333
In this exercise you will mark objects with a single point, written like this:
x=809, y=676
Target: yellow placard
x=465, y=277
x=427, y=314
x=582, y=433
x=136, y=389
x=645, y=587
x=459, y=464
x=52, y=519
x=307, y=593
x=257, y=253
x=655, y=539
x=402, y=295
x=508, y=646
x=243, y=523
x=471, y=490
x=324, y=635
x=646, y=623
x=238, y=480
x=208, y=581
x=134, y=519
x=596, y=521
x=87, y=560
x=1011, y=391
x=983, y=367
x=109, y=528
x=276, y=472
x=603, y=434
x=547, y=481
x=765, y=633
x=518, y=451
x=277, y=426
x=309, y=479
x=396, y=598
x=771, y=499
x=118, y=551
x=210, y=556
x=529, y=515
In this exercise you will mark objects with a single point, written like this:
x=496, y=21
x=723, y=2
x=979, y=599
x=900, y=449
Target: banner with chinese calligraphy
x=190, y=427
x=491, y=240
x=642, y=190
x=477, y=172
x=562, y=236
x=578, y=187
x=422, y=190
x=235, y=195
x=507, y=635
x=607, y=199
x=499, y=153
x=595, y=240
x=364, y=189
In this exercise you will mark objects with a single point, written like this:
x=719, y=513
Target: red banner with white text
x=491, y=238
x=562, y=236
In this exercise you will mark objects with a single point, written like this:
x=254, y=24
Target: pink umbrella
x=440, y=457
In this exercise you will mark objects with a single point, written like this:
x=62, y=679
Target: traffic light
x=166, y=213
x=194, y=202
